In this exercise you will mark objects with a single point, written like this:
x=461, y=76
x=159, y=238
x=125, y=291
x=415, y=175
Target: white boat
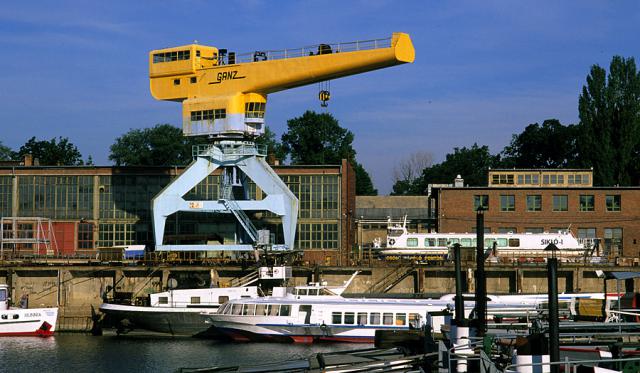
x=178, y=312
x=402, y=244
x=25, y=321
x=336, y=319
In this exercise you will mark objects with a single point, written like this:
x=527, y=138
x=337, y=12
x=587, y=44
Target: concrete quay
x=78, y=288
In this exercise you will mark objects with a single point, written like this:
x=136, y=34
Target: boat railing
x=568, y=364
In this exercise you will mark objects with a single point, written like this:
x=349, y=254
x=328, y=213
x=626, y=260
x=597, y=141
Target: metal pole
x=481, y=281
x=554, y=335
x=459, y=299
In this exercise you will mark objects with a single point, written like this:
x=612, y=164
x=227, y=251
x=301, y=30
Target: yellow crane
x=225, y=94
x=224, y=97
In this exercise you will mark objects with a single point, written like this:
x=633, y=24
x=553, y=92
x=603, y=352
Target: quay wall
x=78, y=290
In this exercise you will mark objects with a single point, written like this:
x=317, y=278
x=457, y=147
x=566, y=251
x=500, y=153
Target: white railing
x=311, y=50
x=569, y=365
x=236, y=150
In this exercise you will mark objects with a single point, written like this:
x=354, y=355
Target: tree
x=54, y=152
x=408, y=170
x=274, y=147
x=161, y=145
x=609, y=111
x=6, y=154
x=549, y=145
x=364, y=185
x=317, y=139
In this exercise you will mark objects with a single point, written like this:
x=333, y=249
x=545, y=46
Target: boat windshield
x=3, y=295
x=394, y=232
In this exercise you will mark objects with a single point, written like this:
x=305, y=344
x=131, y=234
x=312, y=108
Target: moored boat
x=25, y=321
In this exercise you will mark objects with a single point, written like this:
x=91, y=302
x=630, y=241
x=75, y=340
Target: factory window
x=534, y=202
x=254, y=109
x=481, y=200
x=587, y=202
x=534, y=230
x=195, y=300
x=508, y=202
x=6, y=192
x=374, y=318
x=613, y=202
x=387, y=318
x=336, y=317
x=486, y=229
x=85, y=235
x=163, y=300
x=613, y=241
x=506, y=179
x=507, y=230
x=349, y=318
x=412, y=242
x=171, y=56
x=586, y=233
x=560, y=202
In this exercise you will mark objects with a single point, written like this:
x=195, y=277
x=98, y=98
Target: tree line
x=607, y=138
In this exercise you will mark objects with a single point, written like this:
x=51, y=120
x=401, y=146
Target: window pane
x=374, y=318
x=613, y=202
x=362, y=318
x=349, y=318
x=507, y=202
x=387, y=318
x=560, y=203
x=587, y=203
x=534, y=203
x=401, y=319
x=336, y=317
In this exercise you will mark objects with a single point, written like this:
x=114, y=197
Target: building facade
x=99, y=207
x=611, y=214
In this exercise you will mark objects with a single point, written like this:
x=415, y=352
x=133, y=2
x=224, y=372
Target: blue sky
x=483, y=69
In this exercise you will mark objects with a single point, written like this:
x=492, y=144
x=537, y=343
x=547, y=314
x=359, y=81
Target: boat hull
x=173, y=321
x=28, y=322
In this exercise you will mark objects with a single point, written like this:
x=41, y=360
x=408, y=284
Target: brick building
x=546, y=200
x=98, y=207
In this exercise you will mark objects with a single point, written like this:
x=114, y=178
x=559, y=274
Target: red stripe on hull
x=36, y=333
x=347, y=339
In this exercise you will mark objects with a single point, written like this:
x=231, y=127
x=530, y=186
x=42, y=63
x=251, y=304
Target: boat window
x=285, y=310
x=302, y=291
x=374, y=318
x=325, y=292
x=412, y=242
x=394, y=232
x=313, y=291
x=349, y=318
x=163, y=300
x=223, y=299
x=273, y=309
x=466, y=242
x=453, y=241
x=16, y=316
x=474, y=242
x=514, y=242
x=502, y=242
x=226, y=309
x=4, y=317
x=401, y=319
x=195, y=300
x=430, y=242
x=237, y=309
x=261, y=309
x=336, y=317
x=3, y=295
x=442, y=242
x=387, y=318
x=249, y=309
x=362, y=318
x=414, y=320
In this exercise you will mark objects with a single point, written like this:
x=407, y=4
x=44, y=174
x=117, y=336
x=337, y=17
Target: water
x=83, y=353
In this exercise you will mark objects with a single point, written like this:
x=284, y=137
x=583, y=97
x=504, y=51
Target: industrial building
x=82, y=209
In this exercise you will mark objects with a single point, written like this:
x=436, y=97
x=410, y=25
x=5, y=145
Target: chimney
x=458, y=182
x=28, y=160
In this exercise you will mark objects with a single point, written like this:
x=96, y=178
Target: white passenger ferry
x=437, y=246
x=25, y=321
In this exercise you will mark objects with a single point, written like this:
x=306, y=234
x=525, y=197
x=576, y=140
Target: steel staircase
x=392, y=279
x=231, y=205
x=245, y=280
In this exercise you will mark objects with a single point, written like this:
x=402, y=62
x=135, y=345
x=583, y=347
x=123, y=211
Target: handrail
x=568, y=364
x=312, y=50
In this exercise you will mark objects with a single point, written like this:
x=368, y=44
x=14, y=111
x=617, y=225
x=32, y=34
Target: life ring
x=392, y=242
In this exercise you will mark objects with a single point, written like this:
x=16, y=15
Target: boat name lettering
x=32, y=314
x=548, y=241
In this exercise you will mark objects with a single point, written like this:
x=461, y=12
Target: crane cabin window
x=171, y=56
x=254, y=109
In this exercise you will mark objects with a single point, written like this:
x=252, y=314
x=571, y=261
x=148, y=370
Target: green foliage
x=364, y=185
x=6, y=154
x=274, y=147
x=162, y=145
x=609, y=110
x=54, y=152
x=317, y=139
x=549, y=145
